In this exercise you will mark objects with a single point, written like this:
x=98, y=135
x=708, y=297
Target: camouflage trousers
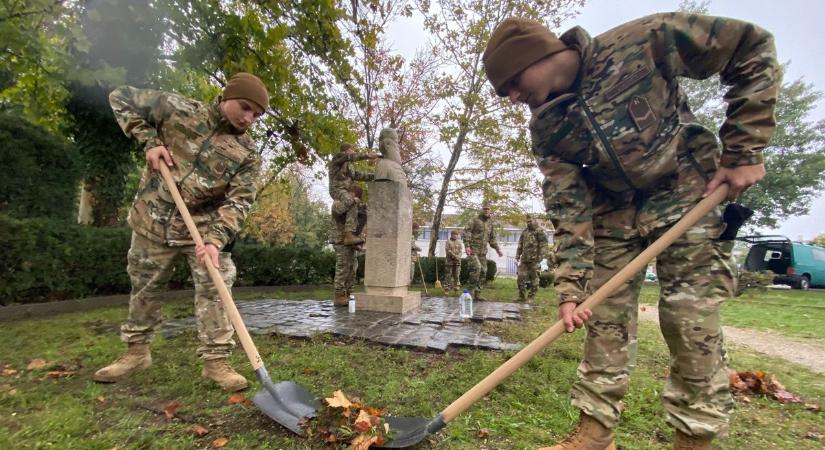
x=150, y=268
x=527, y=279
x=477, y=271
x=453, y=276
x=696, y=276
x=346, y=265
x=345, y=210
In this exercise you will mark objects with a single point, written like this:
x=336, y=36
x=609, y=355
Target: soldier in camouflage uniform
x=346, y=256
x=414, y=250
x=215, y=165
x=477, y=235
x=532, y=248
x=342, y=176
x=453, y=250
x=624, y=158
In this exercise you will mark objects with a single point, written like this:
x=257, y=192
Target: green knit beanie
x=515, y=45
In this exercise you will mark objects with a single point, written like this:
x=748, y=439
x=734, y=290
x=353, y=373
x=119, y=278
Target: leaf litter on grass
x=344, y=423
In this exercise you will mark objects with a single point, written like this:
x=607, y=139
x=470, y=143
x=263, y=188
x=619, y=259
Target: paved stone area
x=434, y=326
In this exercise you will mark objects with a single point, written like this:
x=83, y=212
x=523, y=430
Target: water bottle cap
x=466, y=291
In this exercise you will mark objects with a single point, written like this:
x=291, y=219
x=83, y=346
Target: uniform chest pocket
x=560, y=131
x=223, y=163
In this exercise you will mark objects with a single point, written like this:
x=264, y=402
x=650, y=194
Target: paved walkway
x=434, y=326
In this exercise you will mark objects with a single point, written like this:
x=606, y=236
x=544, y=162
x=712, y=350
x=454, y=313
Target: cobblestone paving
x=434, y=326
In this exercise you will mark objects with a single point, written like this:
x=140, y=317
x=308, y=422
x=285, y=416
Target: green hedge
x=428, y=267
x=45, y=260
x=41, y=172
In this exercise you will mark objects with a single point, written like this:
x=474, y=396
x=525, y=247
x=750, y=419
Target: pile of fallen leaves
x=341, y=423
x=744, y=384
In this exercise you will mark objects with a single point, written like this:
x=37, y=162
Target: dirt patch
x=806, y=353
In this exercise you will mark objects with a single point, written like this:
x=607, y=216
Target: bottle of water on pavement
x=465, y=303
x=351, y=304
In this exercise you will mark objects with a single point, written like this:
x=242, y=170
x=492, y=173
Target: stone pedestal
x=389, y=234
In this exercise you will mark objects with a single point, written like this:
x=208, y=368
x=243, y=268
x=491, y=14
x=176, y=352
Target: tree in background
x=472, y=115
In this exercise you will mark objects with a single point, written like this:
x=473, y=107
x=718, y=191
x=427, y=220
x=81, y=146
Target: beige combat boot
x=136, y=358
x=590, y=434
x=351, y=239
x=341, y=300
x=219, y=371
x=685, y=442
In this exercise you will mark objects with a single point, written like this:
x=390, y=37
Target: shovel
x=410, y=431
x=285, y=402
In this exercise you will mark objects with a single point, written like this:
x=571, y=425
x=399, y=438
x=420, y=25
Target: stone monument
x=389, y=233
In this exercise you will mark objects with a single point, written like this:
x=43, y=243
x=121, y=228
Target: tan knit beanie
x=246, y=86
x=515, y=45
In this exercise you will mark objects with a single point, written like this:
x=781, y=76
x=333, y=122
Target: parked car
x=794, y=263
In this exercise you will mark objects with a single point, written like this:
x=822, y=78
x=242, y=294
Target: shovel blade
x=286, y=402
x=406, y=431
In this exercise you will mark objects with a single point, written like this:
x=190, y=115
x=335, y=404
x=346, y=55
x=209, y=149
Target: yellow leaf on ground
x=338, y=400
x=100, y=398
x=8, y=372
x=362, y=442
x=36, y=363
x=220, y=442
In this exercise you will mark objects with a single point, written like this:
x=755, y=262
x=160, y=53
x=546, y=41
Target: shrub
x=41, y=172
x=46, y=259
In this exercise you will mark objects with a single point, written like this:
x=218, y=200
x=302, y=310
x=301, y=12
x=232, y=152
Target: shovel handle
x=557, y=329
x=217, y=280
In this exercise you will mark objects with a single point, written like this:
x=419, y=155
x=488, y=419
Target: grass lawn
x=529, y=410
x=790, y=312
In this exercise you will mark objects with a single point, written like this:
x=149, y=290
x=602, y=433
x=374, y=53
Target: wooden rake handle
x=551, y=334
x=217, y=280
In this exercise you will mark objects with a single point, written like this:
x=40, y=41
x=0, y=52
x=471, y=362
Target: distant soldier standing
x=477, y=235
x=453, y=250
x=414, y=251
x=216, y=166
x=624, y=158
x=346, y=256
x=532, y=248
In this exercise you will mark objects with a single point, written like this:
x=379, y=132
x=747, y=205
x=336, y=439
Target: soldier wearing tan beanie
x=246, y=86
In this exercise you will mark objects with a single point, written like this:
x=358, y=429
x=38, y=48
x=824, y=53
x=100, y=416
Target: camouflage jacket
x=626, y=125
x=342, y=174
x=478, y=233
x=532, y=245
x=215, y=166
x=453, y=250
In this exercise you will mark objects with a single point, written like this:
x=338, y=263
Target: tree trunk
x=445, y=185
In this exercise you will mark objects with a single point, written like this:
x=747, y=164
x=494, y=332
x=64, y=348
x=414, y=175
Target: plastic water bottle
x=465, y=304
x=351, y=304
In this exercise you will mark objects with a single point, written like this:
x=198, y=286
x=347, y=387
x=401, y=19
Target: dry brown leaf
x=171, y=409
x=220, y=442
x=36, y=363
x=308, y=370
x=483, y=433
x=8, y=372
x=363, y=422
x=59, y=374
x=100, y=398
x=5, y=388
x=236, y=398
x=815, y=407
x=113, y=448
x=200, y=431
x=338, y=400
x=362, y=442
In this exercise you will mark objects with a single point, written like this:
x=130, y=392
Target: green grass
x=528, y=410
x=790, y=312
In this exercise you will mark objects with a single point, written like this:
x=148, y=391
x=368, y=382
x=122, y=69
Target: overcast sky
x=797, y=26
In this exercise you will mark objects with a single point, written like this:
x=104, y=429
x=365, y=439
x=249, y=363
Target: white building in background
x=507, y=237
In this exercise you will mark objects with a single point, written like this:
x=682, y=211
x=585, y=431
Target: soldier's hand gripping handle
x=156, y=155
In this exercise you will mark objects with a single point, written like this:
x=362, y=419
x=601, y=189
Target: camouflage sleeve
x=239, y=199
x=744, y=56
x=139, y=112
x=542, y=245
x=520, y=245
x=568, y=201
x=470, y=234
x=491, y=239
